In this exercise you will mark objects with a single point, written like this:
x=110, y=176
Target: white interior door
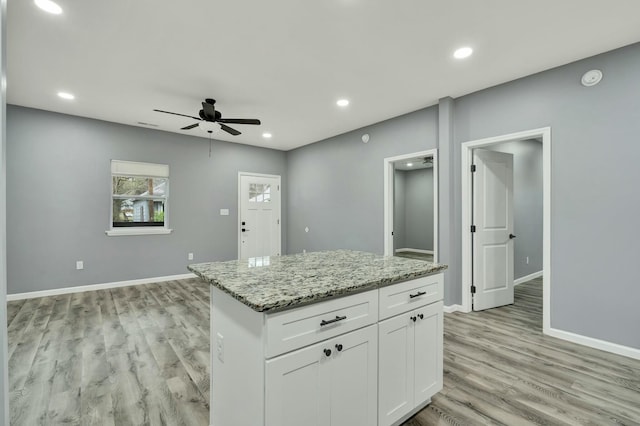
x=493, y=236
x=259, y=229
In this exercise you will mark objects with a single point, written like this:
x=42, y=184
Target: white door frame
x=389, y=196
x=543, y=133
x=240, y=175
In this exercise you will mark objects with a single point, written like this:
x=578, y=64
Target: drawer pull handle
x=418, y=294
x=327, y=352
x=336, y=319
x=339, y=347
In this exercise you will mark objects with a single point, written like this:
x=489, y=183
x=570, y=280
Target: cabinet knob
x=339, y=347
x=421, y=316
x=327, y=352
x=414, y=319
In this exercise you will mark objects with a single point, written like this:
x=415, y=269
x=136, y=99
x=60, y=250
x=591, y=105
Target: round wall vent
x=591, y=78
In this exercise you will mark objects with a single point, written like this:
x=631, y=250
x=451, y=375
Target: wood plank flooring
x=140, y=356
x=127, y=356
x=415, y=255
x=500, y=369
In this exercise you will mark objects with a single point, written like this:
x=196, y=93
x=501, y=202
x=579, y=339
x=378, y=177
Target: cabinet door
x=396, y=357
x=297, y=388
x=428, y=352
x=354, y=378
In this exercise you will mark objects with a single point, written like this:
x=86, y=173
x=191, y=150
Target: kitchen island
x=328, y=338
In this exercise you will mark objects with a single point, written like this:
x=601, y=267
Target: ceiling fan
x=208, y=113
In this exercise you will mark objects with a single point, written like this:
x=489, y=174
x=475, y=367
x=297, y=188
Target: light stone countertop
x=284, y=282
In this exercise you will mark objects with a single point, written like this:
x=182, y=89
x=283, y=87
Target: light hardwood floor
x=416, y=255
x=140, y=356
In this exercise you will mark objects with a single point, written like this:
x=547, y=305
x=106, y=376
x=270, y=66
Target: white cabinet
x=275, y=369
x=329, y=383
x=410, y=362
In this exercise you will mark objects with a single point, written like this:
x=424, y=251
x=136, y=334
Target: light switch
x=224, y=212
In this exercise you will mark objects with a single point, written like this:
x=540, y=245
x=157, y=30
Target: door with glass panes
x=259, y=221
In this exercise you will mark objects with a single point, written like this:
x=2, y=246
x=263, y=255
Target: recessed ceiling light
x=65, y=95
x=463, y=52
x=49, y=6
x=267, y=135
x=343, y=102
x=409, y=164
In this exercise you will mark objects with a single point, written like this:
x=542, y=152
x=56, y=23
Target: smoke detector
x=591, y=78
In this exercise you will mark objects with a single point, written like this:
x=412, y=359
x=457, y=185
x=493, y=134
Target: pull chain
x=209, y=142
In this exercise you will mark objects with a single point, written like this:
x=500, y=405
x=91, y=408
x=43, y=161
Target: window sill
x=137, y=231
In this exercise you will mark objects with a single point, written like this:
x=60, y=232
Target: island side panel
x=237, y=375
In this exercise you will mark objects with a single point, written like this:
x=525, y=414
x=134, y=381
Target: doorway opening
x=411, y=206
x=470, y=247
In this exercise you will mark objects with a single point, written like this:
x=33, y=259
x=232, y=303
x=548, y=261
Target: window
x=259, y=193
x=139, y=198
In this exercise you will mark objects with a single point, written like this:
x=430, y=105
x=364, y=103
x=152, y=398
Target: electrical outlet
x=79, y=265
x=220, y=347
x=527, y=260
x=190, y=256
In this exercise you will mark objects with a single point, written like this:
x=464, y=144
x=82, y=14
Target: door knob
x=244, y=230
x=511, y=236
x=339, y=347
x=327, y=352
x=421, y=316
x=414, y=319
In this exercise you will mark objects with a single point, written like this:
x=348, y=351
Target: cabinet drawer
x=289, y=330
x=398, y=298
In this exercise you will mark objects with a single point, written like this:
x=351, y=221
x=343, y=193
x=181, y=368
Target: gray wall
x=419, y=209
x=413, y=214
x=58, y=198
x=595, y=201
x=399, y=203
x=527, y=204
x=4, y=374
x=336, y=186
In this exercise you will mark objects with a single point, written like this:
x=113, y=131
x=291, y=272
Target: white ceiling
x=286, y=62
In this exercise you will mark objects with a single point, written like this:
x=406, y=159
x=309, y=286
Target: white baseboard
x=527, y=278
x=595, y=343
x=452, y=308
x=400, y=250
x=92, y=287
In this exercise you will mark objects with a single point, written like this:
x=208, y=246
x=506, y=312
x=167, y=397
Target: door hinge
x=473, y=289
x=392, y=233
x=278, y=187
x=473, y=228
x=473, y=168
x=278, y=221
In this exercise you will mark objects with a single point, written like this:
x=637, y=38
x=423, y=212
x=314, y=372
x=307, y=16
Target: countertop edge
x=317, y=297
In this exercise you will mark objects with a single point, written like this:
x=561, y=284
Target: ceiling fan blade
x=239, y=120
x=191, y=126
x=228, y=129
x=175, y=113
x=209, y=110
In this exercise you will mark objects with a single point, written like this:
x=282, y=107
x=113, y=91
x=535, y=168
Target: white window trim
x=142, y=230
x=131, y=168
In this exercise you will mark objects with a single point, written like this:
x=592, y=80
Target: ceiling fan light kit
x=211, y=120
